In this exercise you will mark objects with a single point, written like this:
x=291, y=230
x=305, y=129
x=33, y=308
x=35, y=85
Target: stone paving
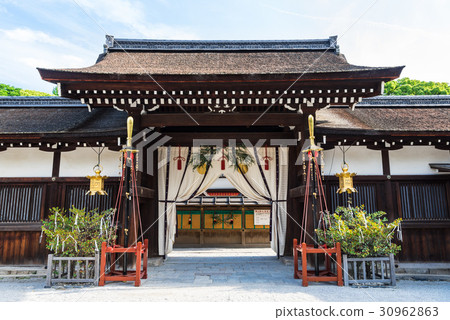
x=224, y=275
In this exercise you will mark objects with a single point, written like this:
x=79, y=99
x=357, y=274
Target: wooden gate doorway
x=259, y=92
x=223, y=217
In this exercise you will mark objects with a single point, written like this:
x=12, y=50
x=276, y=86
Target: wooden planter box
x=369, y=271
x=73, y=270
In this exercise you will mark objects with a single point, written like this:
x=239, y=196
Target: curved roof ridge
x=121, y=44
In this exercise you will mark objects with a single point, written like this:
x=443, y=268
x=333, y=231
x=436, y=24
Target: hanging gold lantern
x=345, y=180
x=97, y=185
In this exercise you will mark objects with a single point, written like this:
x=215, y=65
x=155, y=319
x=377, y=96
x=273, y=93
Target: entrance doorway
x=184, y=211
x=223, y=217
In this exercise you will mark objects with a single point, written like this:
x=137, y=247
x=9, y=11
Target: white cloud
x=131, y=14
x=33, y=36
x=25, y=50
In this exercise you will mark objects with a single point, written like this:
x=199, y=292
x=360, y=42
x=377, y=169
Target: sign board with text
x=261, y=217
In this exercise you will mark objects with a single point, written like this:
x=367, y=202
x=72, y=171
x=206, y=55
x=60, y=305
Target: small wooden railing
x=73, y=270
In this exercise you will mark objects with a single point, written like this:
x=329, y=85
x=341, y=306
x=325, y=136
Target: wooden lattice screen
x=75, y=195
x=20, y=203
x=424, y=201
x=366, y=195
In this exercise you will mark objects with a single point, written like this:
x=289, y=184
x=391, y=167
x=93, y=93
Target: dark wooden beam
x=146, y=193
x=56, y=164
x=385, y=162
x=20, y=226
x=186, y=139
x=207, y=119
x=297, y=192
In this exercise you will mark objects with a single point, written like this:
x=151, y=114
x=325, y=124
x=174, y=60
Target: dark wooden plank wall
x=422, y=202
x=21, y=247
x=25, y=201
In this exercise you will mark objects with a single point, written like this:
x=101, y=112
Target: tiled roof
x=372, y=115
x=36, y=102
x=42, y=115
x=389, y=113
x=236, y=57
x=405, y=101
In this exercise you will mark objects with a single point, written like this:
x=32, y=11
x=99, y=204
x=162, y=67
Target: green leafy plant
x=7, y=90
x=360, y=234
x=78, y=233
x=406, y=86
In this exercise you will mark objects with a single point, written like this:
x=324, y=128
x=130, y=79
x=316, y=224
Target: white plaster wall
x=25, y=163
x=416, y=159
x=361, y=160
x=79, y=163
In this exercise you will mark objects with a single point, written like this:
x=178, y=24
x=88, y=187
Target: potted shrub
x=366, y=244
x=75, y=237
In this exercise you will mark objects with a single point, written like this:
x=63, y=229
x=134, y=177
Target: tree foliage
x=78, y=233
x=406, y=86
x=7, y=90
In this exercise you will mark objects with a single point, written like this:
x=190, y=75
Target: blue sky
x=70, y=33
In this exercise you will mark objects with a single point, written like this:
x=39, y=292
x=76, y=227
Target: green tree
x=33, y=93
x=7, y=90
x=406, y=86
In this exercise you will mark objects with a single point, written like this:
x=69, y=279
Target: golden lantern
x=97, y=185
x=345, y=180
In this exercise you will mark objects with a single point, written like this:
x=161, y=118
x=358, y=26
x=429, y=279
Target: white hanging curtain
x=267, y=183
x=179, y=182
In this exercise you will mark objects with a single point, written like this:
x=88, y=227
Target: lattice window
x=76, y=196
x=424, y=201
x=366, y=195
x=19, y=203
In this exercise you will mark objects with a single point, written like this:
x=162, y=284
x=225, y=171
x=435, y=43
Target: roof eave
x=377, y=74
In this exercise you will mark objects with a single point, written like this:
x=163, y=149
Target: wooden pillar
x=388, y=188
x=56, y=164
x=295, y=179
x=153, y=209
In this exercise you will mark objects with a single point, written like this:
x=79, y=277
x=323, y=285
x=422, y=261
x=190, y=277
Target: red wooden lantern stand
x=131, y=210
x=141, y=252
x=324, y=275
x=318, y=201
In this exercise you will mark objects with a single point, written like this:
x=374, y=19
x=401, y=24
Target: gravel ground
x=224, y=275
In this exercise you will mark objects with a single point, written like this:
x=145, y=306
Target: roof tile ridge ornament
x=109, y=43
x=119, y=44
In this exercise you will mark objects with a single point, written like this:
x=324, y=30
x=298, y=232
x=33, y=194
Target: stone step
x=422, y=277
x=9, y=277
x=18, y=270
x=423, y=268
